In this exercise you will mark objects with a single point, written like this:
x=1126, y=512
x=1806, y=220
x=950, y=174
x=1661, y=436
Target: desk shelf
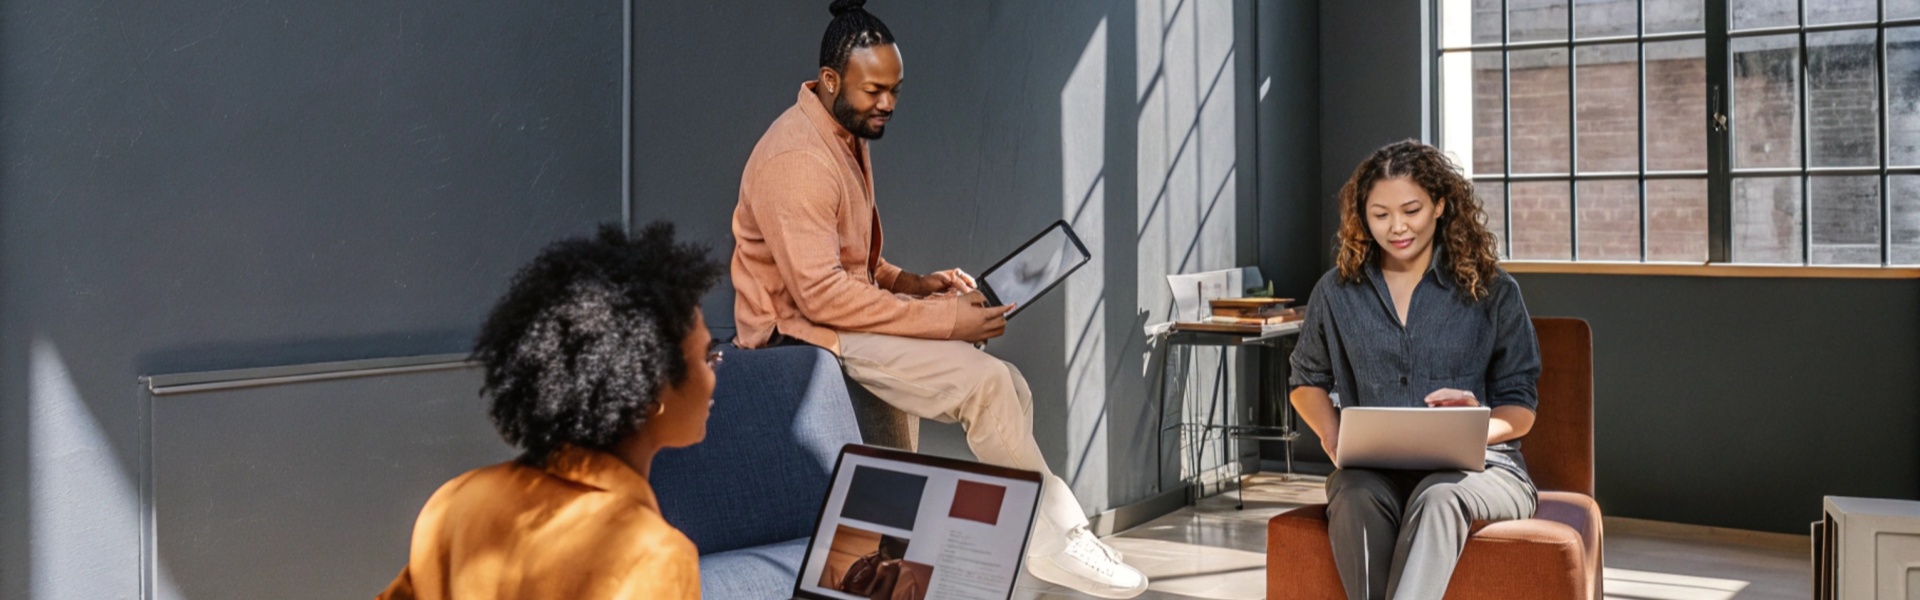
x=1223, y=406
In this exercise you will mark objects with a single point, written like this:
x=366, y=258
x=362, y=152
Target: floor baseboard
x=1129, y=516
x=1268, y=465
x=1684, y=531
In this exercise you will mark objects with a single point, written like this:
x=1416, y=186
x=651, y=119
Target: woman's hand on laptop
x=1449, y=397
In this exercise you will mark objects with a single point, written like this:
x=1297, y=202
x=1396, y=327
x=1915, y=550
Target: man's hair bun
x=852, y=28
x=841, y=7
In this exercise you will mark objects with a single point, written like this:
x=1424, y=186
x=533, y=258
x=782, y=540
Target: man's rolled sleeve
x=1513, y=374
x=886, y=275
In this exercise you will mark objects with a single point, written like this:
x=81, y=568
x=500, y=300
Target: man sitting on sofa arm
x=807, y=269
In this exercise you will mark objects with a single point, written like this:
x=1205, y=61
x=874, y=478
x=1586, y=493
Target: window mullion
x=1573, y=142
x=1886, y=147
x=1506, y=116
x=1719, y=155
x=1806, y=146
x=1640, y=64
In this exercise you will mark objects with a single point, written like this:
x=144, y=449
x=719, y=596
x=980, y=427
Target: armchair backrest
x=1559, y=449
x=780, y=416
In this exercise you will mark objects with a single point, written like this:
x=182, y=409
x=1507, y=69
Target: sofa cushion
x=760, y=572
x=1554, y=555
x=780, y=417
x=1528, y=558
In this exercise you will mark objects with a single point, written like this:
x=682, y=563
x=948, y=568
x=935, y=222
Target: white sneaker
x=1090, y=566
x=1112, y=552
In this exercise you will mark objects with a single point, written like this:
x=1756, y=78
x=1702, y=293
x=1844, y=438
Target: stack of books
x=1248, y=316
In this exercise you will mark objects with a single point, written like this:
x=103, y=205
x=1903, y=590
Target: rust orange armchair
x=1555, y=555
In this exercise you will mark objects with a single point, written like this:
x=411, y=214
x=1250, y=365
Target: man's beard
x=855, y=122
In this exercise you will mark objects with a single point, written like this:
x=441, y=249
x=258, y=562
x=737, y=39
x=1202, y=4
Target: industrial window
x=1695, y=131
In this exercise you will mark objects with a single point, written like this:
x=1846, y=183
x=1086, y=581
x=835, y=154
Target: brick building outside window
x=1600, y=146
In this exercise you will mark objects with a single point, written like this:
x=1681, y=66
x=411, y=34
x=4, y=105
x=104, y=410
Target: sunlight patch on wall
x=1083, y=147
x=83, y=506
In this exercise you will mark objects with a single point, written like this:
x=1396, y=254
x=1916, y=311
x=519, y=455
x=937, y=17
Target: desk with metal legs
x=1269, y=382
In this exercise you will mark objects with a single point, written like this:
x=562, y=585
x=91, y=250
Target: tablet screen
x=1035, y=268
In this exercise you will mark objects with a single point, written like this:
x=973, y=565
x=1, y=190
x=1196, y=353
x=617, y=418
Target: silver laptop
x=1427, y=439
x=904, y=525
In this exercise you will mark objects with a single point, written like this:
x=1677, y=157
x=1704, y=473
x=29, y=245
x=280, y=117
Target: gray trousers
x=1398, y=534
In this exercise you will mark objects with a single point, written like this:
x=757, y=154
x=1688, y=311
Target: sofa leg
x=880, y=423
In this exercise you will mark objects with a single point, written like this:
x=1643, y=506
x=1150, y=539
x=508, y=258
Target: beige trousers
x=952, y=382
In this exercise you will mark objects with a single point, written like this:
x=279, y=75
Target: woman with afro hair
x=596, y=358
x=1417, y=313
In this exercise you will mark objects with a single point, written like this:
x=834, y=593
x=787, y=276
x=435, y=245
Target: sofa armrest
x=1300, y=557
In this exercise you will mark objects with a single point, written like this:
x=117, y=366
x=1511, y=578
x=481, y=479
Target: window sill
x=1709, y=270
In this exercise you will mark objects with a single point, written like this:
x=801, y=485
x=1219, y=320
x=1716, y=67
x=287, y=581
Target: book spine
x=1274, y=320
x=1255, y=313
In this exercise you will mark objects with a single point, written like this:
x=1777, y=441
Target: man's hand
x=978, y=322
x=1451, y=397
x=950, y=281
x=1329, y=442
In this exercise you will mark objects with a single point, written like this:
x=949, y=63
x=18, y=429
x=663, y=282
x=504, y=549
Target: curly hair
x=587, y=336
x=1462, y=230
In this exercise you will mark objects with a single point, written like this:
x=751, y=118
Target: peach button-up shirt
x=806, y=257
x=585, y=527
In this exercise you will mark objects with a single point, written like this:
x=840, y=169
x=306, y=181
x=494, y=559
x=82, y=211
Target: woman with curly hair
x=1416, y=313
x=595, y=359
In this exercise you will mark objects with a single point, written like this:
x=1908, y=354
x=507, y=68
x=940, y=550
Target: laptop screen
x=902, y=525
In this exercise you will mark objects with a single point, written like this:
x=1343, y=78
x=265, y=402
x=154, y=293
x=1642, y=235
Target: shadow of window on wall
x=1185, y=160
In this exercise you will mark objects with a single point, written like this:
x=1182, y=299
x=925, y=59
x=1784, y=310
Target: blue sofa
x=748, y=495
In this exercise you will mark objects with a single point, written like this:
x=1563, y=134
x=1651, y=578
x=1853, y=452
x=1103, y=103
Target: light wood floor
x=1214, y=552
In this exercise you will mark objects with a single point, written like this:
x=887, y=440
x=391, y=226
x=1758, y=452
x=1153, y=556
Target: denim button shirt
x=1353, y=346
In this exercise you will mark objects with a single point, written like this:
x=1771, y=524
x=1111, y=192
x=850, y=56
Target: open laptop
x=913, y=526
x=1427, y=439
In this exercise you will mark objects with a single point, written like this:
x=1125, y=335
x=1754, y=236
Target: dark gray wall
x=998, y=134
x=1289, y=128
x=1370, y=91
x=206, y=185
x=1718, y=401
x=708, y=77
x=306, y=490
x=1740, y=402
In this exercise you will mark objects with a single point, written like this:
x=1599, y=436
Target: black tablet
x=1039, y=265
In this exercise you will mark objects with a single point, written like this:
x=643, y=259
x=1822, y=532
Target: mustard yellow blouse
x=587, y=526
